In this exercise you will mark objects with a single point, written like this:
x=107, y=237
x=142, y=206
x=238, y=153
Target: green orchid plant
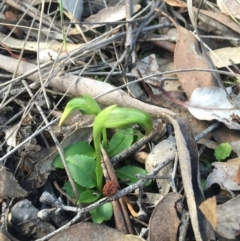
x=80, y=156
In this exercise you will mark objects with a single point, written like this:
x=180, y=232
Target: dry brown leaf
x=165, y=217
x=221, y=18
x=187, y=56
x=221, y=57
x=223, y=218
x=9, y=187
x=88, y=232
x=209, y=209
x=224, y=174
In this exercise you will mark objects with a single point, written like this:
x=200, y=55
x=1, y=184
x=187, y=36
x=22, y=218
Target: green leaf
x=89, y=196
x=129, y=172
x=223, y=151
x=102, y=213
x=82, y=169
x=120, y=141
x=68, y=189
x=80, y=147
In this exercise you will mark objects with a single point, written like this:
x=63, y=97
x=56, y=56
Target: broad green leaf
x=89, y=196
x=223, y=151
x=68, y=189
x=120, y=141
x=102, y=213
x=129, y=172
x=82, y=169
x=80, y=147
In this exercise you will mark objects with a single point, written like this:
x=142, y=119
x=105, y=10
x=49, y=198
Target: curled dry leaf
x=223, y=218
x=225, y=174
x=165, y=217
x=9, y=188
x=212, y=103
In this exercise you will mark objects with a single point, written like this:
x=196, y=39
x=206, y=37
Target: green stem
x=97, y=146
x=63, y=30
x=104, y=142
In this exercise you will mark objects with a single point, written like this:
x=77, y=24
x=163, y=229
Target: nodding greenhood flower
x=116, y=117
x=86, y=105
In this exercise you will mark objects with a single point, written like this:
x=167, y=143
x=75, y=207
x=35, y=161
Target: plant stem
x=99, y=172
x=104, y=134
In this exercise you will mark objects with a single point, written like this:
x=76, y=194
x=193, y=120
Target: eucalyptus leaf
x=129, y=172
x=80, y=148
x=120, y=141
x=82, y=169
x=89, y=196
x=102, y=213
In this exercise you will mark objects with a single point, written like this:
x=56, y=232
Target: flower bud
x=85, y=104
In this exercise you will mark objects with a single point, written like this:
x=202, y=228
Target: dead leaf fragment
x=209, y=103
x=9, y=187
x=224, y=218
x=165, y=217
x=224, y=174
x=221, y=57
